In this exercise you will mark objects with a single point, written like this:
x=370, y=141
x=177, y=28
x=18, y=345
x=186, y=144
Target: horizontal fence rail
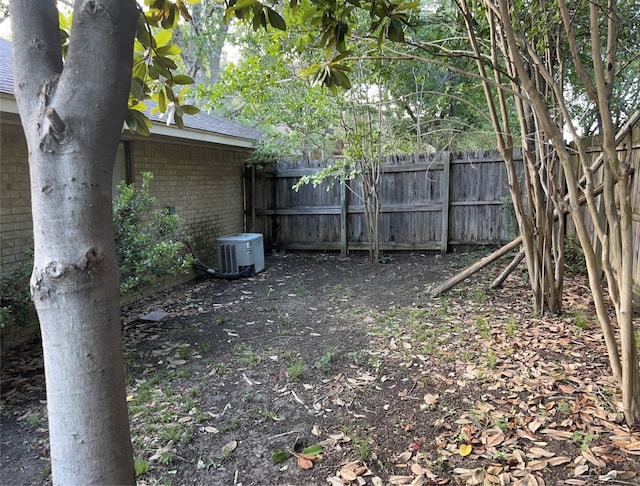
x=429, y=202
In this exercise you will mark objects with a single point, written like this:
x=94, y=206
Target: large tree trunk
x=73, y=117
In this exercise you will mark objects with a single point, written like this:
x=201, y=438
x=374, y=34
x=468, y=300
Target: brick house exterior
x=198, y=173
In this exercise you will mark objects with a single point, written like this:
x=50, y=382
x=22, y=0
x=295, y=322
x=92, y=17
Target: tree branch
x=37, y=64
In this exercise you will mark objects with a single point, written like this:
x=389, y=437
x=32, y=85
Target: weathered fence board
x=428, y=203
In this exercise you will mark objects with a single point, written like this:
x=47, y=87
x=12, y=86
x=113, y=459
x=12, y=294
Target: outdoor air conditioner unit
x=240, y=254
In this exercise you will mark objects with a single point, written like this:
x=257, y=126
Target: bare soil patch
x=349, y=373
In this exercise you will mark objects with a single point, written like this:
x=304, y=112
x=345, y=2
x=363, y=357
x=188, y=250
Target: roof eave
x=8, y=105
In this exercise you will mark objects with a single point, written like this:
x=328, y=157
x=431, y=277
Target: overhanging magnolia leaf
x=394, y=30
x=182, y=79
x=275, y=20
x=190, y=109
x=407, y=6
x=138, y=122
x=170, y=50
x=162, y=38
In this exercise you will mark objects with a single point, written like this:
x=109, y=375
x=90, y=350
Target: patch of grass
x=230, y=426
x=564, y=407
x=492, y=359
x=502, y=423
x=34, y=420
x=182, y=373
x=580, y=321
x=295, y=369
x=584, y=439
x=205, y=348
x=302, y=291
x=271, y=415
x=358, y=357
x=184, y=352
x=166, y=458
x=512, y=327
x=141, y=466
x=443, y=307
x=248, y=357
x=221, y=369
x=222, y=320
x=324, y=362
x=483, y=328
x=479, y=295
x=361, y=447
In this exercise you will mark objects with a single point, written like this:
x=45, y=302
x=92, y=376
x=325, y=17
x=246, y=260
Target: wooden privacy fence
x=428, y=203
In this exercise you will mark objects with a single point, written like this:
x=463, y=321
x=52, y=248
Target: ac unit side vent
x=240, y=253
x=228, y=261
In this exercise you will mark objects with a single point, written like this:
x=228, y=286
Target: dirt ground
x=322, y=370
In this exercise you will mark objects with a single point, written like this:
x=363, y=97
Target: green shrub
x=15, y=296
x=149, y=241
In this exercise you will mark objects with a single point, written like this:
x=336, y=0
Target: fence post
x=344, y=216
x=446, y=172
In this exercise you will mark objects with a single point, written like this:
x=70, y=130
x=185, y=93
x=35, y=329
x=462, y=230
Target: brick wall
x=16, y=228
x=202, y=182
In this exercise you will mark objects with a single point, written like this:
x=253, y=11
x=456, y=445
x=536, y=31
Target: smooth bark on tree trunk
x=72, y=115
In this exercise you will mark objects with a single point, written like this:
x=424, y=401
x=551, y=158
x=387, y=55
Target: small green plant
x=302, y=291
x=149, y=241
x=34, y=420
x=500, y=456
x=443, y=307
x=166, y=458
x=295, y=369
x=483, y=327
x=324, y=362
x=502, y=423
x=248, y=357
x=181, y=373
x=184, y=352
x=271, y=415
x=221, y=369
x=361, y=447
x=584, y=439
x=492, y=358
x=580, y=321
x=479, y=295
x=358, y=357
x=564, y=407
x=233, y=424
x=141, y=466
